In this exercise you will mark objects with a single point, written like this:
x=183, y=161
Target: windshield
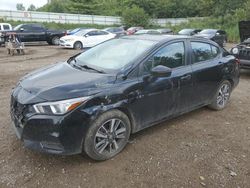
x=208, y=31
x=185, y=31
x=82, y=32
x=75, y=30
x=114, y=54
x=18, y=27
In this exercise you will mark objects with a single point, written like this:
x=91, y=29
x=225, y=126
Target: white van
x=5, y=27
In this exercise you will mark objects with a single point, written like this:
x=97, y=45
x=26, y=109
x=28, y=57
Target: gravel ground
x=203, y=148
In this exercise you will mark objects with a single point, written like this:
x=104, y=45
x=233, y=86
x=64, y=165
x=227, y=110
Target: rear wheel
x=78, y=45
x=107, y=136
x=222, y=97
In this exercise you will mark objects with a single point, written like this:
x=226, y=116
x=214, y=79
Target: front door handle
x=186, y=77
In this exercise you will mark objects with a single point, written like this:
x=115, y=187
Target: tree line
x=153, y=8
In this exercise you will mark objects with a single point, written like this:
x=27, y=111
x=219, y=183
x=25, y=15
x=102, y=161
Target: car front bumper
x=66, y=44
x=53, y=134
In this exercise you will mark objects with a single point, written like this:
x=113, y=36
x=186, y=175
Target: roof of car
x=156, y=37
x=165, y=38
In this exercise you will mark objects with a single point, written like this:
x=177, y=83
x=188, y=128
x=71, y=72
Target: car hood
x=62, y=81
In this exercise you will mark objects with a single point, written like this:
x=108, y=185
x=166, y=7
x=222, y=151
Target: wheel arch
x=78, y=41
x=130, y=117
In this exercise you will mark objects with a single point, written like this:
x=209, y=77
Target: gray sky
x=11, y=4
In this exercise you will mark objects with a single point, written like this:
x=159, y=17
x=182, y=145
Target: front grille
x=244, y=53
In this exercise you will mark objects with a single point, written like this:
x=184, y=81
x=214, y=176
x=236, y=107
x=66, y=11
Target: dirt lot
x=203, y=148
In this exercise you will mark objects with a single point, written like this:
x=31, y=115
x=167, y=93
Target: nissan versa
x=94, y=101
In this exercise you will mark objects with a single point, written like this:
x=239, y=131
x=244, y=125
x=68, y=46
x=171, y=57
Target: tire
x=103, y=141
x=222, y=96
x=78, y=45
x=55, y=40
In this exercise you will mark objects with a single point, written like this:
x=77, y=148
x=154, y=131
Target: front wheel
x=222, y=97
x=107, y=136
x=78, y=45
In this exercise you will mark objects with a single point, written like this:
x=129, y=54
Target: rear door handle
x=186, y=77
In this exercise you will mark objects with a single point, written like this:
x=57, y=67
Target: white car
x=85, y=38
x=4, y=27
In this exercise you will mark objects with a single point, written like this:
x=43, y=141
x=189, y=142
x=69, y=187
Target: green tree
x=84, y=6
x=19, y=6
x=135, y=16
x=31, y=8
x=59, y=6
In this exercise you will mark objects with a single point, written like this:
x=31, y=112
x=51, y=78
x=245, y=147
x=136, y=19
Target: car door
x=90, y=38
x=206, y=66
x=39, y=33
x=25, y=33
x=162, y=97
x=102, y=36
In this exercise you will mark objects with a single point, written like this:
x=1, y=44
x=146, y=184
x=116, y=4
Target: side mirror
x=86, y=35
x=21, y=29
x=217, y=34
x=161, y=71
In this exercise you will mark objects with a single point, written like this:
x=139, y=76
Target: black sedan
x=95, y=100
x=218, y=36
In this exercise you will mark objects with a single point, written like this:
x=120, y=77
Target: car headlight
x=59, y=107
x=235, y=51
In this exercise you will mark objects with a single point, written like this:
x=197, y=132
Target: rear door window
x=101, y=33
x=203, y=51
x=92, y=33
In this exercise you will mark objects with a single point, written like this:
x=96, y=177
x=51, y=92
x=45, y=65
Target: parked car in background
x=242, y=50
x=166, y=31
x=119, y=31
x=4, y=27
x=147, y=31
x=72, y=32
x=133, y=30
x=189, y=32
x=85, y=38
x=35, y=33
x=218, y=36
x=93, y=102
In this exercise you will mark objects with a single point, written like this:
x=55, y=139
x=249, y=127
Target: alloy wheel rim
x=223, y=96
x=110, y=136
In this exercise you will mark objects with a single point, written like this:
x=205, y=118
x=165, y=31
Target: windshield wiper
x=90, y=68
x=73, y=58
